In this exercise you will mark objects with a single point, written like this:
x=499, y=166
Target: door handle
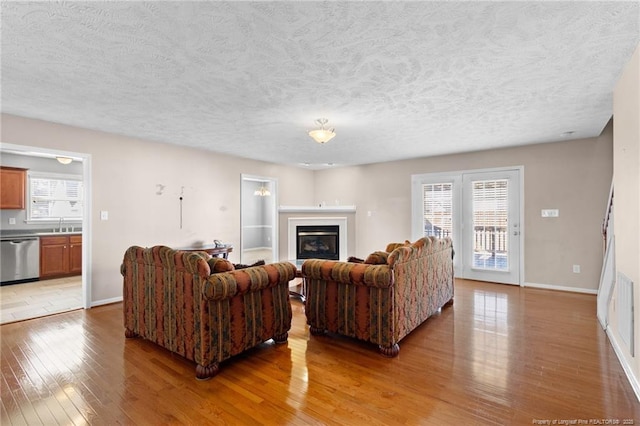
x=19, y=242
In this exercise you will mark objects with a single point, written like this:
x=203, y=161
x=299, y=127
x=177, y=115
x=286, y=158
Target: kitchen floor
x=40, y=298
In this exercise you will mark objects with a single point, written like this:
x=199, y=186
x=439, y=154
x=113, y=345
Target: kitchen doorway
x=60, y=294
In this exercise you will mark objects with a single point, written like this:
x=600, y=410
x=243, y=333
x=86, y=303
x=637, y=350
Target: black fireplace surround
x=318, y=242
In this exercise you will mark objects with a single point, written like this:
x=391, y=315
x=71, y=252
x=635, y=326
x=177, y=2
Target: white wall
x=626, y=202
x=126, y=173
x=573, y=176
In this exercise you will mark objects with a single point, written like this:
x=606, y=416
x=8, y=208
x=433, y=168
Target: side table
x=303, y=285
x=212, y=249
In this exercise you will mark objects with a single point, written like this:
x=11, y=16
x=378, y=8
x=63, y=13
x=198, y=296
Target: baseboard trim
x=106, y=301
x=628, y=371
x=562, y=288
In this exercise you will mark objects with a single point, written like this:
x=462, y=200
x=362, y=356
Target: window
x=438, y=209
x=54, y=196
x=490, y=224
x=481, y=211
x=436, y=212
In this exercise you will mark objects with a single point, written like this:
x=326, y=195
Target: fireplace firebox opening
x=318, y=242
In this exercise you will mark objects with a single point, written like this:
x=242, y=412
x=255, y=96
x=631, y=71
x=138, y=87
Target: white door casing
x=490, y=249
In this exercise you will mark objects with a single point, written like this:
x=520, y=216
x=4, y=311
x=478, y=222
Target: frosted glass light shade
x=322, y=135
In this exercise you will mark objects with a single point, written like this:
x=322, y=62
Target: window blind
x=55, y=197
x=438, y=209
x=490, y=224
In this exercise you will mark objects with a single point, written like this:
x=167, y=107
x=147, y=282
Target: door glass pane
x=490, y=224
x=437, y=209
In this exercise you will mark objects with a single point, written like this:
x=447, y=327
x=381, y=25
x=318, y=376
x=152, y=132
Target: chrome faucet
x=60, y=225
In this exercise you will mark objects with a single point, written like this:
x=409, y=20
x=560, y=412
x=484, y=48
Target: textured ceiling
x=396, y=79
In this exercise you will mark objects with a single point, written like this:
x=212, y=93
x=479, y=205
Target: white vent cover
x=625, y=311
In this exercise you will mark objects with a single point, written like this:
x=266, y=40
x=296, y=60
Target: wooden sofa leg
x=128, y=333
x=390, y=351
x=316, y=331
x=205, y=373
x=281, y=338
x=449, y=303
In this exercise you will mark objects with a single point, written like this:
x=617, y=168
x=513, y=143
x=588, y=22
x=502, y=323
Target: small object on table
x=212, y=249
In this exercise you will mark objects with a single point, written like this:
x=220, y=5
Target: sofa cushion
x=392, y=246
x=243, y=266
x=218, y=264
x=377, y=258
x=353, y=259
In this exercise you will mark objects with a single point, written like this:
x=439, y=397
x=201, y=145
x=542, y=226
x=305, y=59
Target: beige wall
x=572, y=176
x=125, y=175
x=626, y=166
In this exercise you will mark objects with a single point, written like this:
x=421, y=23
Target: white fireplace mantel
x=317, y=209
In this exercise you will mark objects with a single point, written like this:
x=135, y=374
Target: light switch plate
x=104, y=215
x=550, y=212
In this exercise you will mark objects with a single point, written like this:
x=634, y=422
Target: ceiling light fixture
x=64, y=160
x=322, y=135
x=262, y=192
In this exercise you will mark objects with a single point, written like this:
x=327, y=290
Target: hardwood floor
x=40, y=298
x=499, y=355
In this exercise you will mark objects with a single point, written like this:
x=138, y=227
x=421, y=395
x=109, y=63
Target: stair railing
x=607, y=218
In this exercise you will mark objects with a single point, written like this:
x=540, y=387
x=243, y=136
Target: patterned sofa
x=173, y=299
x=383, y=299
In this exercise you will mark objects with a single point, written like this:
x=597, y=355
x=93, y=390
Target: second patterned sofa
x=384, y=299
x=200, y=307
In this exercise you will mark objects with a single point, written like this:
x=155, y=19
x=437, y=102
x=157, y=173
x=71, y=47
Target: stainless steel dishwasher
x=19, y=259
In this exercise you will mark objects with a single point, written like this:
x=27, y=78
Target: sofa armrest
x=380, y=276
x=256, y=278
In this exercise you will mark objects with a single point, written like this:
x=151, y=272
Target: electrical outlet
x=550, y=213
x=104, y=215
x=12, y=221
x=576, y=269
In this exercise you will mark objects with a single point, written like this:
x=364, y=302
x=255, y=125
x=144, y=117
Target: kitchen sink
x=57, y=232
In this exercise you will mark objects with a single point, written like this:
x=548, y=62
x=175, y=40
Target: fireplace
x=318, y=242
x=317, y=221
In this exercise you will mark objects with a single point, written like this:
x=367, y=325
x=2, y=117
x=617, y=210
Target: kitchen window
x=53, y=196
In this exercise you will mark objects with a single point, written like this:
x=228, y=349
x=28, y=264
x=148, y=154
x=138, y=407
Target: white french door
x=491, y=226
x=480, y=211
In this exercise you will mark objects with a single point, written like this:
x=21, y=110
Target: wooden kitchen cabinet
x=75, y=254
x=12, y=188
x=60, y=256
